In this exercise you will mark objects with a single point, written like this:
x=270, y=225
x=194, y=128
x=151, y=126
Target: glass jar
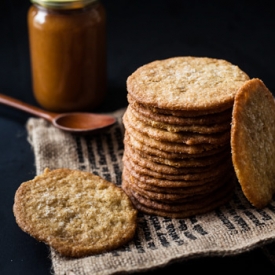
x=68, y=53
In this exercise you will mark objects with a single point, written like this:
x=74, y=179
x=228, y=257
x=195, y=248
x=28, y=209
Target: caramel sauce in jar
x=68, y=54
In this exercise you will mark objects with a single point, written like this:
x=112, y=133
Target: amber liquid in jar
x=68, y=55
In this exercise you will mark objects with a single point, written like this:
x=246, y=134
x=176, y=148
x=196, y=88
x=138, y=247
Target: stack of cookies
x=177, y=159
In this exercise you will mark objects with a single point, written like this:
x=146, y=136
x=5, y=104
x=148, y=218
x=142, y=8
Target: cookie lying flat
x=142, y=170
x=180, y=120
x=170, y=147
x=196, y=128
x=180, y=193
x=191, y=162
x=189, y=138
x=181, y=211
x=77, y=213
x=253, y=142
x=180, y=187
x=136, y=144
x=187, y=83
x=142, y=161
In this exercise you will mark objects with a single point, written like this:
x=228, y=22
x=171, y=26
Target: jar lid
x=63, y=4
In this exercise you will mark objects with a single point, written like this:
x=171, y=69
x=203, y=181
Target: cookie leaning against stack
x=253, y=142
x=177, y=159
x=75, y=212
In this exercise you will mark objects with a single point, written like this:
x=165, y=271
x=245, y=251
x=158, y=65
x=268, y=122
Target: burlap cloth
x=234, y=228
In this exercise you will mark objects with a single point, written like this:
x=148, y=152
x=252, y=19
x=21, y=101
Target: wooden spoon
x=75, y=122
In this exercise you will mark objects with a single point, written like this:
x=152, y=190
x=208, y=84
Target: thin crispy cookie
x=167, y=155
x=187, y=83
x=199, y=128
x=186, y=212
x=253, y=142
x=205, y=119
x=188, y=138
x=77, y=213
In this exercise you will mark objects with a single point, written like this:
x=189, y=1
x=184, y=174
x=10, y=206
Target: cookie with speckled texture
x=172, y=147
x=205, y=119
x=166, y=169
x=183, y=193
x=77, y=213
x=181, y=211
x=187, y=83
x=168, y=155
x=142, y=169
x=190, y=162
x=184, y=113
x=162, y=185
x=195, y=128
x=253, y=142
x=149, y=182
x=176, y=206
x=134, y=124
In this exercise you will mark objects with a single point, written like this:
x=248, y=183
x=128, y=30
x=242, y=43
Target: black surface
x=241, y=32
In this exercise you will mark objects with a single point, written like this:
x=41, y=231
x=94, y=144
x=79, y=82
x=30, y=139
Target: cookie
x=166, y=169
x=150, y=183
x=187, y=83
x=209, y=199
x=174, y=128
x=185, y=113
x=180, y=194
x=141, y=172
x=186, y=162
x=206, y=119
x=77, y=213
x=171, y=147
x=189, y=138
x=136, y=144
x=253, y=142
x=203, y=207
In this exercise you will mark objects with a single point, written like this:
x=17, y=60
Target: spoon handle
x=12, y=102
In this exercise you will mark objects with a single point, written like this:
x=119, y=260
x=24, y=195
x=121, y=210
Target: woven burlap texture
x=234, y=228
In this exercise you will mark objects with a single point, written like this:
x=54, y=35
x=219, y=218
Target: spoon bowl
x=74, y=122
x=83, y=122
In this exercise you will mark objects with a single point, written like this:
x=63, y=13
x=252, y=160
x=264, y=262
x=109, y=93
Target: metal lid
x=63, y=4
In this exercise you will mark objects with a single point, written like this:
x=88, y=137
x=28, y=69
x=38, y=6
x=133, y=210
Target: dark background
x=138, y=32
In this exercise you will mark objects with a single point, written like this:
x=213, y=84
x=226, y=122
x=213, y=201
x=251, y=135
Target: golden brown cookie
x=174, y=128
x=194, y=118
x=167, y=169
x=208, y=199
x=172, y=186
x=253, y=142
x=190, y=138
x=141, y=170
x=181, y=210
x=187, y=83
x=186, y=162
x=173, y=147
x=136, y=144
x=77, y=213
x=180, y=194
